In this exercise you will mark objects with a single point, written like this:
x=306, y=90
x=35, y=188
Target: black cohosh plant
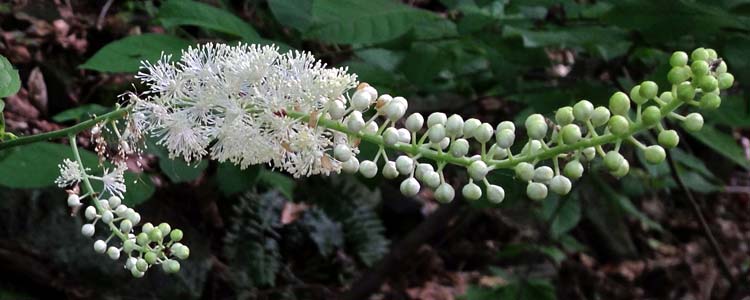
x=249, y=105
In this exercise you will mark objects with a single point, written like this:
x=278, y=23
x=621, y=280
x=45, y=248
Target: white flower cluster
x=231, y=103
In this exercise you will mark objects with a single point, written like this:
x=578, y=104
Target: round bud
x=573, y=169
x=342, y=152
x=564, y=116
x=361, y=100
x=635, y=94
x=506, y=125
x=368, y=169
x=613, y=160
x=150, y=257
x=136, y=274
x=73, y=200
x=699, y=54
x=648, y=90
x=721, y=68
x=504, y=138
x=404, y=164
x=355, y=122
x=141, y=265
x=90, y=213
x=678, y=59
x=536, y=191
x=478, y=170
x=470, y=126
x=589, y=153
x=669, y=139
x=600, y=116
x=497, y=152
x=409, y=187
x=571, y=134
x=176, y=235
x=693, y=122
x=471, y=191
x=560, y=185
x=685, y=92
x=423, y=169
x=532, y=147
x=726, y=80
x=147, y=227
x=390, y=136
x=114, y=201
x=121, y=210
x=699, y=68
x=654, y=154
x=524, y=171
x=128, y=246
x=651, y=115
x=414, y=122
x=622, y=170
x=484, y=133
x=678, y=75
x=712, y=53
x=389, y=170
x=100, y=246
x=710, y=101
x=126, y=226
x=165, y=228
x=88, y=230
x=337, y=109
x=536, y=127
x=495, y=193
x=708, y=83
x=543, y=174
x=394, y=110
x=666, y=97
x=134, y=217
x=582, y=110
x=104, y=204
x=619, y=125
x=370, y=128
x=142, y=239
x=171, y=266
x=436, y=133
x=155, y=235
x=401, y=100
x=431, y=179
x=404, y=135
x=436, y=118
x=445, y=193
x=454, y=126
x=107, y=217
x=113, y=253
x=182, y=253
x=459, y=148
x=444, y=143
x=350, y=166
x=619, y=104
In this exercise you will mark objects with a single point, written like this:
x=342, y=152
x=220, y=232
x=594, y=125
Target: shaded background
x=257, y=234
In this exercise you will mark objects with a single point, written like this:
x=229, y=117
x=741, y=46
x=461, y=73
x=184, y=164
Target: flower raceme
x=249, y=104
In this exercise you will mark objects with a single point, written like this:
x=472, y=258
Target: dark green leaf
x=296, y=14
x=723, y=144
x=125, y=55
x=231, y=179
x=179, y=171
x=10, y=82
x=187, y=12
x=80, y=112
x=277, y=181
x=565, y=214
x=326, y=233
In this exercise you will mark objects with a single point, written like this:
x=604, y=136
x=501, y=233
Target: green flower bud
x=470, y=126
x=582, y=110
x=141, y=265
x=619, y=125
x=350, y=166
x=506, y=125
x=436, y=133
x=390, y=136
x=712, y=53
x=619, y=104
x=721, y=68
x=137, y=274
x=571, y=134
x=405, y=164
x=155, y=235
x=564, y=116
x=409, y=187
x=445, y=193
x=543, y=174
x=693, y=122
x=128, y=246
x=495, y=193
x=536, y=127
x=589, y=153
x=171, y=266
x=524, y=171
x=454, y=126
x=498, y=153
x=573, y=169
x=669, y=139
x=655, y=154
x=699, y=68
x=180, y=251
x=648, y=90
x=478, y=170
x=459, y=148
x=423, y=169
x=414, y=122
x=176, y=235
x=536, y=191
x=685, y=92
x=710, y=101
x=699, y=54
x=678, y=59
x=708, y=83
x=504, y=138
x=613, y=160
x=165, y=228
x=389, y=170
x=651, y=115
x=484, y=133
x=726, y=80
x=471, y=191
x=560, y=185
x=342, y=152
x=678, y=75
x=622, y=170
x=368, y=169
x=436, y=118
x=666, y=97
x=635, y=94
x=142, y=239
x=532, y=147
x=150, y=257
x=600, y=116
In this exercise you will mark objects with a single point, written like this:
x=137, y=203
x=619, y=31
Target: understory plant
x=249, y=104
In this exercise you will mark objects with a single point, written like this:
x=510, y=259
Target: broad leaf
x=9, y=80
x=186, y=12
x=126, y=55
x=80, y=112
x=723, y=144
x=296, y=14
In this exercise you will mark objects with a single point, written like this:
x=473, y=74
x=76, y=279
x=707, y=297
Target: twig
x=103, y=14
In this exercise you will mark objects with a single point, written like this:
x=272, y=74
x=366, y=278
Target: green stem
x=113, y=115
